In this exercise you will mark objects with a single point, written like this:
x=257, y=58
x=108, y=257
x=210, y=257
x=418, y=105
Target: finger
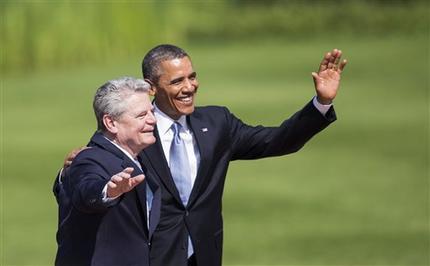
x=324, y=62
x=128, y=170
x=76, y=151
x=126, y=173
x=71, y=156
x=342, y=65
x=116, y=179
x=112, y=185
x=332, y=59
x=337, y=59
x=138, y=179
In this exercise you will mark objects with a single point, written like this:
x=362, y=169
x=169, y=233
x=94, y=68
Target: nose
x=190, y=84
x=151, y=118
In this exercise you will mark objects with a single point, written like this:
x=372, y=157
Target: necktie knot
x=176, y=127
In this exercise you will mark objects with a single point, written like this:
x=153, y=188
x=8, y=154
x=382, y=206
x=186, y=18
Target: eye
x=142, y=115
x=176, y=81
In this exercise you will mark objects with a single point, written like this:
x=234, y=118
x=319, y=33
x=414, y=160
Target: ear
x=153, y=89
x=110, y=124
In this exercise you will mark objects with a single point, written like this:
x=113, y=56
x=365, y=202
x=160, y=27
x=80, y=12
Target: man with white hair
x=108, y=203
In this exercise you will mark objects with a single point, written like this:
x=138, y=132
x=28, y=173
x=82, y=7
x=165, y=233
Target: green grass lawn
x=357, y=194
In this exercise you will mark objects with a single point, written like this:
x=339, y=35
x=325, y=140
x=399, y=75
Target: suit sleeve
x=86, y=180
x=250, y=142
x=57, y=188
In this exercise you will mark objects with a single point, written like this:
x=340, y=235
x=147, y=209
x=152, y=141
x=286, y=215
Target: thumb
x=136, y=181
x=139, y=178
x=315, y=77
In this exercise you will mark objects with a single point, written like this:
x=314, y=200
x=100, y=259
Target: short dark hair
x=158, y=54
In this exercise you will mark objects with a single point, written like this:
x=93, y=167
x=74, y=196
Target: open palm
x=327, y=79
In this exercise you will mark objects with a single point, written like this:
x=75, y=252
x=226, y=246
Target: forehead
x=176, y=62
x=176, y=66
x=137, y=101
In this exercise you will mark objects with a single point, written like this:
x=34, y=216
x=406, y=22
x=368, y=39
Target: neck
x=161, y=109
x=112, y=138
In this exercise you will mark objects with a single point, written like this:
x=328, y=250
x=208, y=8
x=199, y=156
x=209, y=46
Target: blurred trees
x=57, y=34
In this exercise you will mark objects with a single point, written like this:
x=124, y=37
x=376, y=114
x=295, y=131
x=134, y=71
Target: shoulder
x=95, y=161
x=211, y=111
x=210, y=108
x=96, y=156
x=92, y=152
x=218, y=117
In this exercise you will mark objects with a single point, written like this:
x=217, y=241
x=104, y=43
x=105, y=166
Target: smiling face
x=176, y=87
x=134, y=129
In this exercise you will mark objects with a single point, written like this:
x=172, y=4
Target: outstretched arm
x=327, y=79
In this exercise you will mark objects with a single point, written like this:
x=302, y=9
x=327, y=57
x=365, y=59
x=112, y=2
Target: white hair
x=110, y=97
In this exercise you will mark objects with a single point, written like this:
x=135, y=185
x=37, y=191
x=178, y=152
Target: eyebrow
x=173, y=81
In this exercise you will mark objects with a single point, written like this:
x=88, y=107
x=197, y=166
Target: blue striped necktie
x=179, y=165
x=180, y=170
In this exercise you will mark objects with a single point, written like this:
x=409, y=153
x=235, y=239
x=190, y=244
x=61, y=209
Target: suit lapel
x=154, y=216
x=155, y=211
x=201, y=134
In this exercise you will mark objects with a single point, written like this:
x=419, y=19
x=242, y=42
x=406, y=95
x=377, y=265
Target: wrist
x=324, y=101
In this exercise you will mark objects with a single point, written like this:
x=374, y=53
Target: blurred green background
x=357, y=194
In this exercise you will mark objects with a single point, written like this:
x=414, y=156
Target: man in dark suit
x=190, y=230
x=108, y=209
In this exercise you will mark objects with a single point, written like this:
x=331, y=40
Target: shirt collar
x=124, y=151
x=164, y=122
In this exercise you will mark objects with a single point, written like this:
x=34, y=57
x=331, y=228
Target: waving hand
x=327, y=79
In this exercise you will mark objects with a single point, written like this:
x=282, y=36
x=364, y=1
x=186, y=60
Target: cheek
x=196, y=84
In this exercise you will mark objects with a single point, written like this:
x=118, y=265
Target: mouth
x=186, y=100
x=148, y=131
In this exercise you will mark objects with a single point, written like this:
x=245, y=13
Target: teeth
x=185, y=100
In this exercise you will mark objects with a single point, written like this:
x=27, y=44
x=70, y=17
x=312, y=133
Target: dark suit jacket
x=221, y=138
x=92, y=232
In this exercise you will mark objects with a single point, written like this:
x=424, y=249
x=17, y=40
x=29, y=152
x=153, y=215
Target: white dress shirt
x=323, y=108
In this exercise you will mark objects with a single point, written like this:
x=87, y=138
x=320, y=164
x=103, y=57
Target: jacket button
x=187, y=213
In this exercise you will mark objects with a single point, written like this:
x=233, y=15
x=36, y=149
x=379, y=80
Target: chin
x=187, y=110
x=150, y=140
x=147, y=140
